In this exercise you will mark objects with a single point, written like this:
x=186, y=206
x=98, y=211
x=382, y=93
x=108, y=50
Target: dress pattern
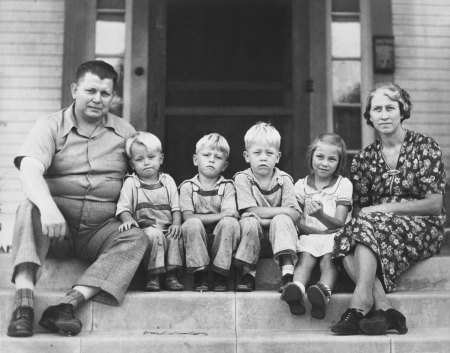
x=399, y=241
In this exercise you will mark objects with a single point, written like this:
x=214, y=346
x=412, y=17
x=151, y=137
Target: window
x=110, y=43
x=346, y=56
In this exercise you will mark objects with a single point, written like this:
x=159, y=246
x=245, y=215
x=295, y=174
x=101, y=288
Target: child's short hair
x=214, y=141
x=262, y=132
x=333, y=139
x=147, y=139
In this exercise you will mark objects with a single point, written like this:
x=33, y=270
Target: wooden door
x=220, y=66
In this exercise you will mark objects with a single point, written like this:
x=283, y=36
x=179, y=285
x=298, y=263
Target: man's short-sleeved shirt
x=78, y=166
x=199, y=201
x=251, y=194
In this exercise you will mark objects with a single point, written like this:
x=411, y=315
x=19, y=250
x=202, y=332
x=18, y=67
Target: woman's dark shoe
x=201, y=281
x=293, y=295
x=317, y=297
x=21, y=324
x=349, y=323
x=60, y=319
x=380, y=321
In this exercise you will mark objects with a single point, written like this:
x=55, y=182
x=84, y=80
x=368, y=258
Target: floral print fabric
x=398, y=241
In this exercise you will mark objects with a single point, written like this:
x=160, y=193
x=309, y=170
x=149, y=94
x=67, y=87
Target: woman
x=399, y=184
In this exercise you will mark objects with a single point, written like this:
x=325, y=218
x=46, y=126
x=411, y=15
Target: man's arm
x=31, y=174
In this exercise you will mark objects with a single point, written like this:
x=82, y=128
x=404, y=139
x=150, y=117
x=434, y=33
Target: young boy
x=149, y=200
x=208, y=203
x=266, y=200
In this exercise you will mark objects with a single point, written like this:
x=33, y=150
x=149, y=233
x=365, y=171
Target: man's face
x=93, y=97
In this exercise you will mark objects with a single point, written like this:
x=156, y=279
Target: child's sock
x=24, y=297
x=247, y=270
x=287, y=269
x=73, y=297
x=301, y=285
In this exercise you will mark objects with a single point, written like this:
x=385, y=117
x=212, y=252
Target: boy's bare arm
x=174, y=230
x=127, y=221
x=271, y=212
x=211, y=218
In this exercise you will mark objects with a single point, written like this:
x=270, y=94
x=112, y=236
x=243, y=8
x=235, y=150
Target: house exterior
x=189, y=67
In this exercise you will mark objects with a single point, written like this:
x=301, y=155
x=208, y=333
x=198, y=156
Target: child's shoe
x=319, y=297
x=201, y=281
x=285, y=280
x=172, y=283
x=220, y=283
x=246, y=283
x=293, y=295
x=152, y=284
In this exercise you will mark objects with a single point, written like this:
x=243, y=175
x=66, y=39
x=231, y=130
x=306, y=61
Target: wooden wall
x=31, y=48
x=422, y=56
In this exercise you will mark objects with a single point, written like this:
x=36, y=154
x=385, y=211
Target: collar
x=138, y=182
x=108, y=121
x=277, y=176
x=196, y=181
x=310, y=181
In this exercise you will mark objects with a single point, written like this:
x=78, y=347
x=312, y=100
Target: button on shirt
x=79, y=166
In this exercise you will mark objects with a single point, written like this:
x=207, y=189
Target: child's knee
x=192, y=225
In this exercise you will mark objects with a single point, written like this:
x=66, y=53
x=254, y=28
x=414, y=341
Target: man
x=71, y=167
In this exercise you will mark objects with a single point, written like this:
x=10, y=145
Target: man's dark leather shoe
x=21, y=324
x=60, y=319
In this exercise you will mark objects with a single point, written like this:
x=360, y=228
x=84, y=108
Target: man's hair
x=99, y=68
x=262, y=132
x=328, y=138
x=146, y=139
x=213, y=141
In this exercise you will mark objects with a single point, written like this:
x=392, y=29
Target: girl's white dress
x=338, y=192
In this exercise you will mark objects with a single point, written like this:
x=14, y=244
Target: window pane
x=347, y=123
x=111, y=4
x=109, y=38
x=345, y=39
x=345, y=6
x=346, y=82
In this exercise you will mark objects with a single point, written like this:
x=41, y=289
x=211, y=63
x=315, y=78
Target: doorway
x=221, y=66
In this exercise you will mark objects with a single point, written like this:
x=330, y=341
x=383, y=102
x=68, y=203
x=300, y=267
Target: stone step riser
x=430, y=274
x=254, y=341
x=228, y=311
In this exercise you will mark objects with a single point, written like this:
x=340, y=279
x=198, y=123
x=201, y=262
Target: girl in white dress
x=325, y=198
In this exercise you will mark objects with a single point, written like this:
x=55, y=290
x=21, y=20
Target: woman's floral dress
x=398, y=241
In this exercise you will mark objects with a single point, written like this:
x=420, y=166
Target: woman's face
x=385, y=113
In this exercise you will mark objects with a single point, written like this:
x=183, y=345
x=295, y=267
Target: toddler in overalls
x=208, y=204
x=149, y=200
x=266, y=200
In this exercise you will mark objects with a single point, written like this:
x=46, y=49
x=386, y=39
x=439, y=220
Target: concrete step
x=430, y=274
x=227, y=311
x=247, y=341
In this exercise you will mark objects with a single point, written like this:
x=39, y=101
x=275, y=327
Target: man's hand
x=53, y=223
x=127, y=225
x=174, y=231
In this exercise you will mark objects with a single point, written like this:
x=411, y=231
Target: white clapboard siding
x=31, y=55
x=422, y=57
